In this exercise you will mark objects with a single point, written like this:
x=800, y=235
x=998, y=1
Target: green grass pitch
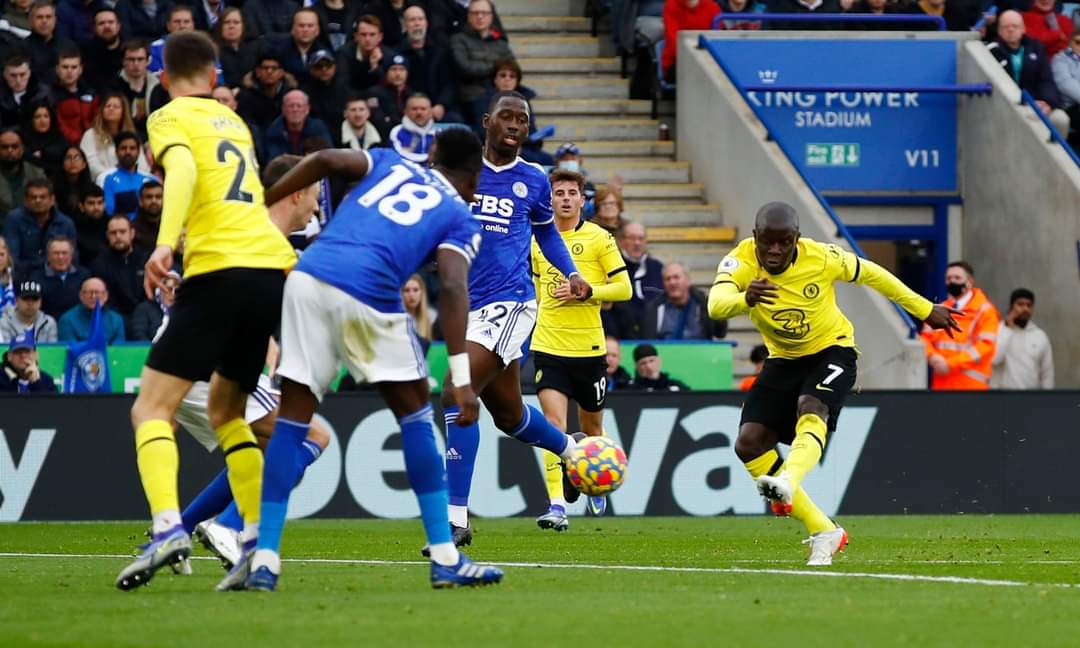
x=907, y=581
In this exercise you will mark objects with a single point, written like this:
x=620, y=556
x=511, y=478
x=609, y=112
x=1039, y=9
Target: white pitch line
x=920, y=578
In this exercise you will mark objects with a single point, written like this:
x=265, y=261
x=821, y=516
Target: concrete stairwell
x=579, y=91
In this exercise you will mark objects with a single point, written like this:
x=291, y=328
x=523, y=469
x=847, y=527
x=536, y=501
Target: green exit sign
x=832, y=155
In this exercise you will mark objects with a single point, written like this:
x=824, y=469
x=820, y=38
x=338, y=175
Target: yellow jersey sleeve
x=228, y=225
x=618, y=286
x=727, y=297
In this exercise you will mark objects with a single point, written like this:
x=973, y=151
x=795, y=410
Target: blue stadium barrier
x=938, y=21
x=1055, y=136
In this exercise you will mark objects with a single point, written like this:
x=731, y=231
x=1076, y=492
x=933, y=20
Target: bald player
x=785, y=284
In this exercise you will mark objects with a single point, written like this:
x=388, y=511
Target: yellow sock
x=806, y=449
x=553, y=477
x=245, y=462
x=159, y=462
x=803, y=508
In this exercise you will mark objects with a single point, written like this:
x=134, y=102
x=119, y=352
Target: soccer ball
x=598, y=466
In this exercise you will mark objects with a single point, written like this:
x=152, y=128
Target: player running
x=569, y=345
x=513, y=203
x=221, y=534
x=343, y=305
x=234, y=268
x=785, y=284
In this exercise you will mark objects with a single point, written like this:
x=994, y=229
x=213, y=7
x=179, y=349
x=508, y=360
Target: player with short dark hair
x=343, y=306
x=230, y=304
x=513, y=203
x=568, y=343
x=785, y=284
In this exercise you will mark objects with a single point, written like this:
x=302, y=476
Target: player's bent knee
x=810, y=405
x=750, y=444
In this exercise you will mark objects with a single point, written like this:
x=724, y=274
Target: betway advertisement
x=72, y=458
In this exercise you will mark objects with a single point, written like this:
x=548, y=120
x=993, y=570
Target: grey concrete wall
x=1021, y=208
x=726, y=145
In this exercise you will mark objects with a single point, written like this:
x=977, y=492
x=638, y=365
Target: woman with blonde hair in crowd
x=415, y=298
x=609, y=208
x=7, y=276
x=113, y=116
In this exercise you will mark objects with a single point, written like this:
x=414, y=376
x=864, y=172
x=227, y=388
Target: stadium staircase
x=581, y=93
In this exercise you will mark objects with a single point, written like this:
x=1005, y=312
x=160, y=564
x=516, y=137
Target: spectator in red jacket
x=76, y=104
x=680, y=15
x=1043, y=23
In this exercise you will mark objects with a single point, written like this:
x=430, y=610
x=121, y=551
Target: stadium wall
x=741, y=169
x=901, y=452
x=1022, y=207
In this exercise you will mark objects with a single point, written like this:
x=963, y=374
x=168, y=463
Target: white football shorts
x=192, y=411
x=502, y=327
x=323, y=327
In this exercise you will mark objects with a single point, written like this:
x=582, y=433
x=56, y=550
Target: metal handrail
x=960, y=88
x=841, y=229
x=831, y=17
x=1055, y=136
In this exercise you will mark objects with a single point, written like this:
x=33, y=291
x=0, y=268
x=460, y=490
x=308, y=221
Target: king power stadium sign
x=861, y=138
x=892, y=453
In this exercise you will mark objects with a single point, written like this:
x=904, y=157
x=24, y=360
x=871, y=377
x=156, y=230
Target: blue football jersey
x=386, y=228
x=509, y=201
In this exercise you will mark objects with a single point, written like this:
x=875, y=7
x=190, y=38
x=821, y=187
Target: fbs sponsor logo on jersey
x=494, y=212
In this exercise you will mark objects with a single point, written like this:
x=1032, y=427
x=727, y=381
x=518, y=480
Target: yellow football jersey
x=572, y=328
x=228, y=225
x=805, y=318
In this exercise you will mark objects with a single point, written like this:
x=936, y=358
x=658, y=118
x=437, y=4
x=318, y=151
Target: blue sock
x=231, y=517
x=279, y=477
x=462, y=444
x=536, y=430
x=427, y=475
x=215, y=497
x=309, y=452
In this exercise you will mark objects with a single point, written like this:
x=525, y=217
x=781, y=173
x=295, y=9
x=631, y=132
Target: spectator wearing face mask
x=569, y=157
x=963, y=360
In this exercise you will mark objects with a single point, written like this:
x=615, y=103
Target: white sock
x=165, y=520
x=445, y=553
x=250, y=532
x=459, y=516
x=558, y=501
x=267, y=558
x=571, y=446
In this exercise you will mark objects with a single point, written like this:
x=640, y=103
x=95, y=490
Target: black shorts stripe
x=151, y=440
x=616, y=271
x=243, y=445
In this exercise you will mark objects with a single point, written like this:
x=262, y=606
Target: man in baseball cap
x=20, y=372
x=26, y=313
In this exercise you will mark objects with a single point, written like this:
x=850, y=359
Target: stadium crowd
x=81, y=198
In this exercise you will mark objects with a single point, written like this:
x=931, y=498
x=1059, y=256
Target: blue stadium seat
x=660, y=86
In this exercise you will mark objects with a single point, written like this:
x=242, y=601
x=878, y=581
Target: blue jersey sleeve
x=541, y=211
x=464, y=236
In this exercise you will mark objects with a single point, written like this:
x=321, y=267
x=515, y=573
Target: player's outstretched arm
x=453, y=318
x=342, y=163
x=937, y=316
